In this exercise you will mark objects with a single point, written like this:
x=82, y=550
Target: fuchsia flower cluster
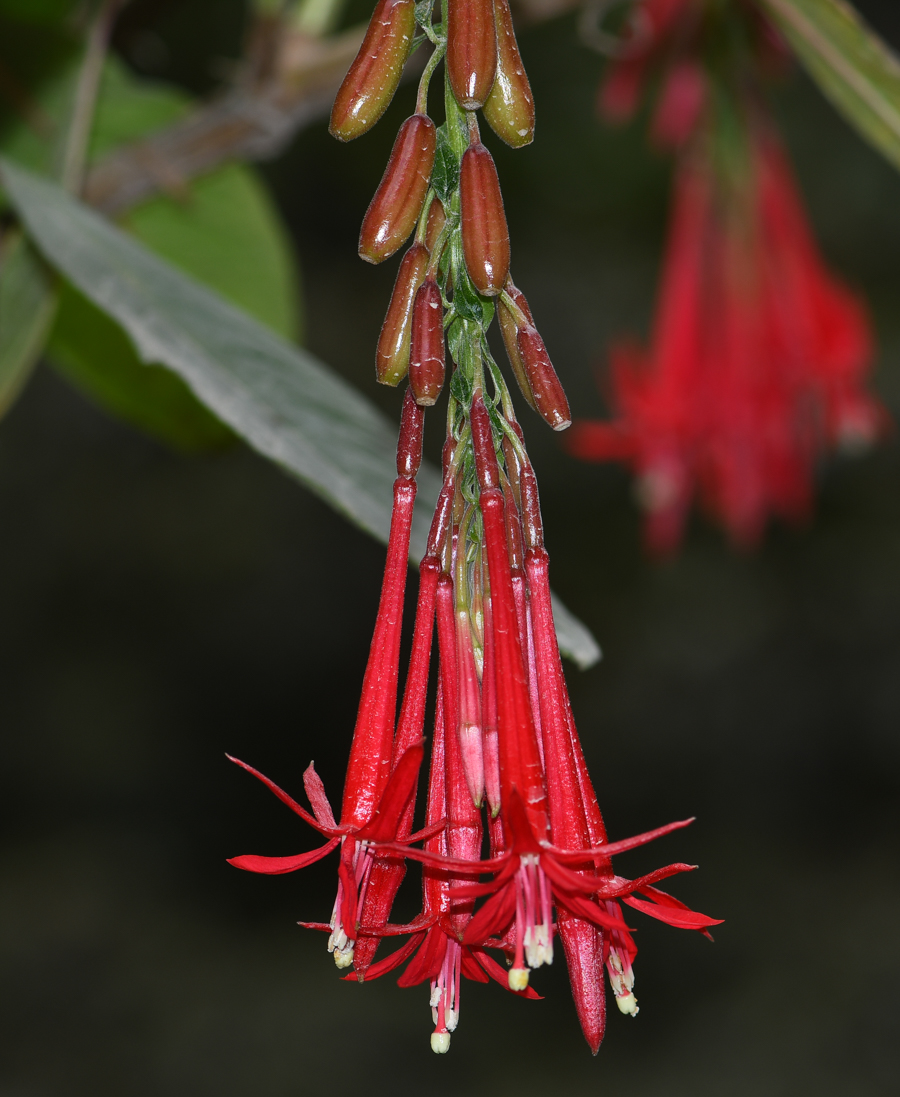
x=507, y=770
x=512, y=847
x=758, y=359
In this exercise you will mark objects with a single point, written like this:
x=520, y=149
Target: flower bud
x=426, y=360
x=485, y=235
x=409, y=444
x=549, y=398
x=370, y=84
x=509, y=329
x=486, y=467
x=437, y=218
x=392, y=355
x=393, y=212
x=509, y=109
x=471, y=50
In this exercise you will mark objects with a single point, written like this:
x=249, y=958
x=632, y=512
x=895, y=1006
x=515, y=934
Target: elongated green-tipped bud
x=393, y=212
x=485, y=234
x=509, y=109
x=509, y=329
x=426, y=360
x=471, y=50
x=549, y=397
x=392, y=355
x=373, y=78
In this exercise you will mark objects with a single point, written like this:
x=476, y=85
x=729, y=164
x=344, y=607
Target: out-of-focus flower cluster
x=758, y=358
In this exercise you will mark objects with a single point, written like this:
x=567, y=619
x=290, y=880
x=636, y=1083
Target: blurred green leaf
x=37, y=11
x=850, y=63
x=39, y=67
x=27, y=304
x=223, y=230
x=286, y=404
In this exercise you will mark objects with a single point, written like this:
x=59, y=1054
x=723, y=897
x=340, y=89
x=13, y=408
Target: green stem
x=456, y=120
x=433, y=61
x=86, y=91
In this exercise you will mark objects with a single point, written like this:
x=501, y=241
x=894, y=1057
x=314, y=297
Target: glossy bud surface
x=393, y=212
x=373, y=77
x=409, y=444
x=437, y=218
x=549, y=397
x=485, y=235
x=471, y=50
x=509, y=330
x=392, y=355
x=509, y=109
x=426, y=360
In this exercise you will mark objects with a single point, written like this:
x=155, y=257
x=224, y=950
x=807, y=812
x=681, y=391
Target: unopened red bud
x=392, y=355
x=412, y=432
x=448, y=452
x=471, y=50
x=532, y=523
x=509, y=109
x=485, y=235
x=514, y=540
x=373, y=78
x=443, y=516
x=549, y=397
x=437, y=218
x=393, y=212
x=486, y=465
x=509, y=329
x=426, y=359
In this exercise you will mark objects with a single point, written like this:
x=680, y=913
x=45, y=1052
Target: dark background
x=159, y=610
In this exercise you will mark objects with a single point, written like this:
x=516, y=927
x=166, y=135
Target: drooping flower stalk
x=507, y=771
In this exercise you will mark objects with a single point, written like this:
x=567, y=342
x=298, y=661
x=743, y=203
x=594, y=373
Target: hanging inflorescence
x=507, y=774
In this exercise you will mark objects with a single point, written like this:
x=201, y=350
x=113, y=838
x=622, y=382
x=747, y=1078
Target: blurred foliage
x=222, y=229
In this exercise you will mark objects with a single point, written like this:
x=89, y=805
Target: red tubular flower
x=382, y=772
x=505, y=751
x=550, y=849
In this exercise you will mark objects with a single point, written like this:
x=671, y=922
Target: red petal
x=389, y=963
x=590, y=912
x=471, y=969
x=384, y=823
x=428, y=960
x=493, y=917
x=285, y=799
x=642, y=882
x=315, y=790
x=573, y=857
x=323, y=927
x=499, y=975
x=431, y=831
x=274, y=866
x=683, y=919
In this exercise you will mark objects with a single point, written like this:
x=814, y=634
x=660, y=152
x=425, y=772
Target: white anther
x=440, y=1042
x=518, y=978
x=343, y=957
x=628, y=1004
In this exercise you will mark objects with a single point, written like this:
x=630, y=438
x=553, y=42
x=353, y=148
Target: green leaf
x=94, y=353
x=287, y=405
x=850, y=63
x=222, y=228
x=27, y=303
x=445, y=174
